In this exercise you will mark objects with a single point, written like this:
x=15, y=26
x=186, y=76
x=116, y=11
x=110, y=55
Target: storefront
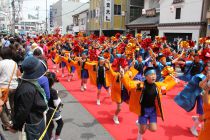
x=184, y=31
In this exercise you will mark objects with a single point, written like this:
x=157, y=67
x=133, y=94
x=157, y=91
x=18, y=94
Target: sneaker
x=57, y=138
x=116, y=121
x=82, y=88
x=98, y=102
x=68, y=80
x=194, y=131
x=62, y=75
x=137, y=122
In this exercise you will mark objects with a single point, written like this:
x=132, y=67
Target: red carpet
x=175, y=127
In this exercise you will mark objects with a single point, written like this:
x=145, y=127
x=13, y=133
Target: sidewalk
x=78, y=123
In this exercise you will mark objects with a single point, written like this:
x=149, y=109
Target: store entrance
x=171, y=37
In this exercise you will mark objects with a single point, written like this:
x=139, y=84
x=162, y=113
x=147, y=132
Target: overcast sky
x=29, y=6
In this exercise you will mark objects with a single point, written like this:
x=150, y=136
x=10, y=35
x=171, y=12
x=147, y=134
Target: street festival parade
x=105, y=70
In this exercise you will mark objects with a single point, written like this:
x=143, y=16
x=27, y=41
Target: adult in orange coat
x=145, y=98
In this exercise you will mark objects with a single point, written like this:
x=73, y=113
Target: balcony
x=208, y=14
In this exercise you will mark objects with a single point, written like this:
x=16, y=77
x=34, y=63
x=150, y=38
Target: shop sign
x=107, y=10
x=151, y=12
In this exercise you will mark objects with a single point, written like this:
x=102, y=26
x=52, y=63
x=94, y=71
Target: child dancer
x=205, y=85
x=191, y=94
x=119, y=93
x=98, y=76
x=145, y=98
x=72, y=71
x=54, y=102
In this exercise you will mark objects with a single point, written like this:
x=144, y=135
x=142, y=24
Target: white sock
x=196, y=123
x=139, y=137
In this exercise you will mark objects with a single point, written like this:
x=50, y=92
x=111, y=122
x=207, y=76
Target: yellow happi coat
x=117, y=85
x=135, y=88
x=92, y=68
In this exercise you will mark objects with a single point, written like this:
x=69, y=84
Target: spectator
x=8, y=75
x=30, y=100
x=6, y=42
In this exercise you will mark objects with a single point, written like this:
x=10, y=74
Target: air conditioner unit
x=123, y=13
x=143, y=11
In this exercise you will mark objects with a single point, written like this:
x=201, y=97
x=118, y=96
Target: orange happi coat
x=57, y=59
x=92, y=68
x=205, y=132
x=116, y=84
x=68, y=62
x=77, y=65
x=135, y=88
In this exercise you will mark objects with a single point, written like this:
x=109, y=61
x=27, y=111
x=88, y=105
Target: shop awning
x=144, y=22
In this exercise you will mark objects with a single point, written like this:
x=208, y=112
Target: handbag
x=4, y=92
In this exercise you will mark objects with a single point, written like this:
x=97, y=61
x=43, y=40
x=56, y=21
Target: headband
x=150, y=72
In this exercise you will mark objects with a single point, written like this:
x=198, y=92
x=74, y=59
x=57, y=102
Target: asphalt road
x=79, y=124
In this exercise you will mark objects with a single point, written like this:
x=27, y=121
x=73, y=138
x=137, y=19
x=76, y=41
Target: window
x=91, y=14
x=117, y=9
x=94, y=13
x=178, y=13
x=135, y=12
x=137, y=2
x=83, y=21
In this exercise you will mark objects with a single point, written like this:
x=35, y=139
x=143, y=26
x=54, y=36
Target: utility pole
x=13, y=18
x=101, y=16
x=46, y=18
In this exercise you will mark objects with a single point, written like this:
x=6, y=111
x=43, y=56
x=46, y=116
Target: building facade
x=62, y=12
x=80, y=22
x=107, y=17
x=5, y=15
x=30, y=27
x=182, y=19
x=147, y=23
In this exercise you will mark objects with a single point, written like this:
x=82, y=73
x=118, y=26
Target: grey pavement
x=79, y=124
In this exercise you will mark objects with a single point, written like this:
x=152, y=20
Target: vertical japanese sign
x=107, y=10
x=51, y=16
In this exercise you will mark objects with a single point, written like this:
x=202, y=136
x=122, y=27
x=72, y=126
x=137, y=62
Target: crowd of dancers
x=133, y=70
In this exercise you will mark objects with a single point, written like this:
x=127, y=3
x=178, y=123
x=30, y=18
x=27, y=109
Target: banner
x=107, y=10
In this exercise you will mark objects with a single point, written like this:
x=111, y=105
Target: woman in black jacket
x=30, y=100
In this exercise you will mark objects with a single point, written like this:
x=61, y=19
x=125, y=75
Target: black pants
x=51, y=126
